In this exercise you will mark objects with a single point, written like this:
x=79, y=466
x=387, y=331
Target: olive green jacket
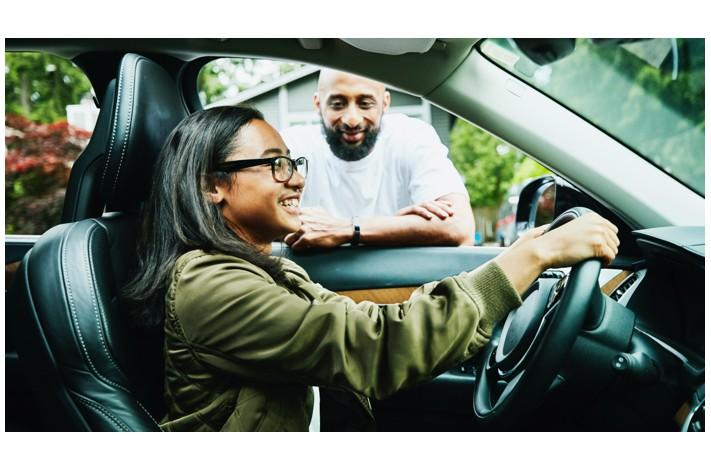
x=242, y=352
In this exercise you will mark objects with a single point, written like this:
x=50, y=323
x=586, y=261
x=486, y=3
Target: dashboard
x=665, y=290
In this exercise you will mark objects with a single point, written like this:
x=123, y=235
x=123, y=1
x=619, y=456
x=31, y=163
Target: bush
x=37, y=164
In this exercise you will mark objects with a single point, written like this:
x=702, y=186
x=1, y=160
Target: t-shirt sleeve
x=431, y=173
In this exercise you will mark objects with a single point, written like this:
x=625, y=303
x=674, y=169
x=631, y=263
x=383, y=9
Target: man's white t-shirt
x=407, y=166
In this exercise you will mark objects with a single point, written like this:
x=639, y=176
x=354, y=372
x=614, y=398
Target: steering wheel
x=536, y=337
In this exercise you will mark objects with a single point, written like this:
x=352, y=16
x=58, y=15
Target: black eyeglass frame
x=232, y=166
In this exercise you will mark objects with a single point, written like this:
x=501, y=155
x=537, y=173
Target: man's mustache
x=346, y=129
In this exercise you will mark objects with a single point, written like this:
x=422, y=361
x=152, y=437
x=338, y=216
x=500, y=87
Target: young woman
x=247, y=335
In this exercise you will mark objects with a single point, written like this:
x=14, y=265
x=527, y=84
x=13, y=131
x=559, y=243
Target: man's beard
x=346, y=151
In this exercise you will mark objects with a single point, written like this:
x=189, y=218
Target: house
x=287, y=101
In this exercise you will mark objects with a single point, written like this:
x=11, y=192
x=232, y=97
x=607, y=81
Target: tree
x=226, y=77
x=489, y=167
x=40, y=144
x=39, y=86
x=37, y=164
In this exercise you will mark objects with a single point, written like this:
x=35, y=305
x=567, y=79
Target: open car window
x=492, y=170
x=648, y=94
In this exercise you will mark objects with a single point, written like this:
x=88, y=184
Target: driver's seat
x=89, y=366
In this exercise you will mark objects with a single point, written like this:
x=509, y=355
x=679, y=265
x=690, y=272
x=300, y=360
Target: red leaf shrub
x=35, y=146
x=38, y=159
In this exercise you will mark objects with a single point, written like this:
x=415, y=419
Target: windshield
x=648, y=94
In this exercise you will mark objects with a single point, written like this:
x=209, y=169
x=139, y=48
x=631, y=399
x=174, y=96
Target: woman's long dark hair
x=178, y=217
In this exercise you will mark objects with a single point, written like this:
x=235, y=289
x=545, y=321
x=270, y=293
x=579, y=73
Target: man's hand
x=429, y=209
x=319, y=229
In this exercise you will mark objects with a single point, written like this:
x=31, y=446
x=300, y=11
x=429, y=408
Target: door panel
x=389, y=275
x=21, y=413
x=380, y=295
x=348, y=268
x=16, y=246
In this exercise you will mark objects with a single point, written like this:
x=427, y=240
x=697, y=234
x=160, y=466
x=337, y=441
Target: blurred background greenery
x=40, y=145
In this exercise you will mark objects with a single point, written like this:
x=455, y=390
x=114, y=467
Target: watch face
x=356, y=230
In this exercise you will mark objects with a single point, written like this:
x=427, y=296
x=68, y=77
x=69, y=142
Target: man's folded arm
x=447, y=221
x=414, y=229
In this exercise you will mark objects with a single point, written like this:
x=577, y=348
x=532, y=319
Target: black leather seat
x=83, y=197
x=89, y=366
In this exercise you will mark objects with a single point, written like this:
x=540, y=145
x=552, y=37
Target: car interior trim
x=380, y=295
x=615, y=282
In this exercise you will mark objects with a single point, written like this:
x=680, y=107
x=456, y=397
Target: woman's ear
x=215, y=195
x=214, y=191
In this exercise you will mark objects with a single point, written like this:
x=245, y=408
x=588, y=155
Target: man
x=374, y=179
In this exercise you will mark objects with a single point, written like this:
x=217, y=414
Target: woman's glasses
x=282, y=166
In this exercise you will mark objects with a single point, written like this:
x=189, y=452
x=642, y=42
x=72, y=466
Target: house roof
x=266, y=87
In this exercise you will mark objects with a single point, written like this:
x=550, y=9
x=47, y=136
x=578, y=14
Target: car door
x=389, y=275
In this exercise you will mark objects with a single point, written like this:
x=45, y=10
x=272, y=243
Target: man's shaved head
x=327, y=78
x=351, y=108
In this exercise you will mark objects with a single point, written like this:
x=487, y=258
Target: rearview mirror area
x=544, y=51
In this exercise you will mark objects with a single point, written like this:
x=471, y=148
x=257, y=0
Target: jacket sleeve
x=237, y=320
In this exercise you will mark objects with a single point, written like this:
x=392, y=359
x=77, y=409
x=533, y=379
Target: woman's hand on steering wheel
x=588, y=236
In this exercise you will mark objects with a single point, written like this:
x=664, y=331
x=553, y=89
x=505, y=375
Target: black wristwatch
x=355, y=240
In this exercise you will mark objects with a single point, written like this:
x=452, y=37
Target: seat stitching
x=146, y=411
x=113, y=128
x=99, y=321
x=103, y=411
x=128, y=126
x=88, y=261
x=76, y=321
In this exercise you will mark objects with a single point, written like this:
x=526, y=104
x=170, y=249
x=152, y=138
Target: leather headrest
x=147, y=108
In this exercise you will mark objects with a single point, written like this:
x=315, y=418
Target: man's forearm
x=414, y=226
x=414, y=230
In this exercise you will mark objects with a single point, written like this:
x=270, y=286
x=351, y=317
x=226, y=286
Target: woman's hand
x=589, y=236
x=529, y=234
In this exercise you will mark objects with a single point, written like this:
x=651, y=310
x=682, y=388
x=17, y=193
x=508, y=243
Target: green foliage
x=40, y=146
x=527, y=169
x=33, y=202
x=38, y=158
x=39, y=86
x=489, y=166
x=227, y=77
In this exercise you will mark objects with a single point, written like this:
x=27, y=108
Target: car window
x=648, y=94
x=491, y=169
x=49, y=118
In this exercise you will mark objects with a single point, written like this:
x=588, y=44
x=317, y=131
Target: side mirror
x=536, y=204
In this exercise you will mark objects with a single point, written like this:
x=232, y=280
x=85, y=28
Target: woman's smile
x=291, y=204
